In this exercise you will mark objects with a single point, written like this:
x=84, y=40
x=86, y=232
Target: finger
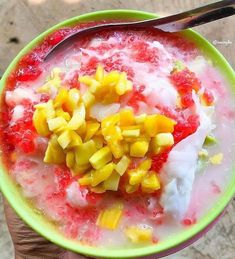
x=28, y=244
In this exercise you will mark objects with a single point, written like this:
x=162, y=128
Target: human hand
x=30, y=245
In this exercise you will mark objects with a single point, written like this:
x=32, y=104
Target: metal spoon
x=172, y=23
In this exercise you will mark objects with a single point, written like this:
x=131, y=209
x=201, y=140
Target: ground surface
x=22, y=20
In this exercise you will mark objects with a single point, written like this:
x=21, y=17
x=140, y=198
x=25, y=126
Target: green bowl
x=40, y=224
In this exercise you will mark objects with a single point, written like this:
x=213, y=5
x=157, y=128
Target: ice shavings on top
x=179, y=171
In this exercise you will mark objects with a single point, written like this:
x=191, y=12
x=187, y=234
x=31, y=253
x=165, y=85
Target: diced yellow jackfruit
x=122, y=165
x=150, y=182
x=136, y=176
x=79, y=169
x=112, y=182
x=165, y=124
x=116, y=149
x=112, y=133
x=139, y=148
x=99, y=75
x=54, y=153
x=139, y=234
x=88, y=99
x=127, y=117
x=131, y=133
x=150, y=125
x=61, y=97
x=85, y=180
x=102, y=174
x=91, y=129
x=84, y=152
x=40, y=123
x=56, y=123
x=78, y=117
x=75, y=139
x=145, y=165
x=164, y=139
x=98, y=189
x=64, y=139
x=72, y=100
x=131, y=188
x=110, y=217
x=111, y=79
x=101, y=157
x=99, y=141
x=70, y=159
x=140, y=118
x=111, y=120
x=61, y=113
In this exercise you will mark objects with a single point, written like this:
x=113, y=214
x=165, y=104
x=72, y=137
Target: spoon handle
x=172, y=23
x=197, y=16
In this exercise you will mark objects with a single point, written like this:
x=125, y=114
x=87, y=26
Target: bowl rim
x=8, y=188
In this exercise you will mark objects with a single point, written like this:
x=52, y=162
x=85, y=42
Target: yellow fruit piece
x=111, y=79
x=86, y=80
x=56, y=123
x=136, y=176
x=85, y=180
x=95, y=87
x=61, y=113
x=102, y=174
x=98, y=189
x=112, y=133
x=109, y=218
x=101, y=157
x=111, y=120
x=123, y=85
x=127, y=117
x=82, y=129
x=40, y=122
x=64, y=139
x=70, y=159
x=61, y=97
x=88, y=99
x=216, y=159
x=78, y=117
x=112, y=182
x=48, y=108
x=140, y=118
x=79, y=169
x=116, y=149
x=131, y=133
x=151, y=125
x=54, y=153
x=139, y=234
x=139, y=148
x=150, y=183
x=99, y=75
x=165, y=124
x=154, y=147
x=122, y=165
x=99, y=141
x=73, y=99
x=75, y=140
x=131, y=188
x=84, y=152
x=53, y=82
x=91, y=129
x=145, y=165
x=164, y=139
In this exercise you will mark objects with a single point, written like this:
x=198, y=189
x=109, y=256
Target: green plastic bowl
x=44, y=227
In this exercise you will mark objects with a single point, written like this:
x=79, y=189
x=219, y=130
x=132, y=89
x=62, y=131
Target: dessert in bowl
x=119, y=142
